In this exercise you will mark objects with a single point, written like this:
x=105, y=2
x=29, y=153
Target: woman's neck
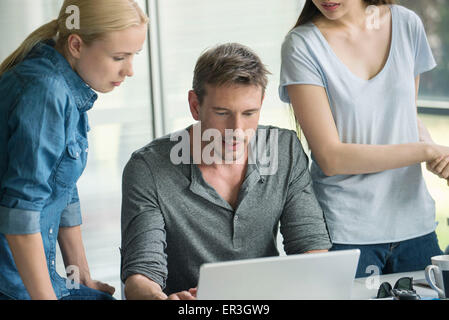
x=356, y=17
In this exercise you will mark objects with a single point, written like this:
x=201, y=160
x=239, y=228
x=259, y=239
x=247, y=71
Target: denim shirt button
x=74, y=150
x=51, y=231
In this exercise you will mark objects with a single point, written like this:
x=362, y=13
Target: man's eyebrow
x=252, y=110
x=225, y=109
x=220, y=108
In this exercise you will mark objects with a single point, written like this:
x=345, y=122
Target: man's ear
x=194, y=105
x=74, y=45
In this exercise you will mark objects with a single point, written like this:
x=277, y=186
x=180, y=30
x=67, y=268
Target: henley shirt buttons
x=238, y=243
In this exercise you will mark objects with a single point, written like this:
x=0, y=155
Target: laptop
x=314, y=276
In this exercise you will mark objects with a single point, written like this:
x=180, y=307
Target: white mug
x=440, y=271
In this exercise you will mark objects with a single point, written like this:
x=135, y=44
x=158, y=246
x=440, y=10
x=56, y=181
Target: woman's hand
x=101, y=286
x=440, y=167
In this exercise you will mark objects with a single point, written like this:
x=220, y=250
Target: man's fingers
x=184, y=295
x=193, y=291
x=173, y=296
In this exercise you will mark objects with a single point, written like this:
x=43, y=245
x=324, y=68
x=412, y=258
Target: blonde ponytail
x=97, y=18
x=47, y=31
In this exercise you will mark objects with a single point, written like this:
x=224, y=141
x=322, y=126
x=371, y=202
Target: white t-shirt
x=389, y=206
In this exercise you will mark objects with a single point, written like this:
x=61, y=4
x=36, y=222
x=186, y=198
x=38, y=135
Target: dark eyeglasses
x=385, y=288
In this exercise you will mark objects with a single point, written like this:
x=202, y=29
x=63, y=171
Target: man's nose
x=237, y=126
x=236, y=122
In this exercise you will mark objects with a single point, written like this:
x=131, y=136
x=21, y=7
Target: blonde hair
x=96, y=18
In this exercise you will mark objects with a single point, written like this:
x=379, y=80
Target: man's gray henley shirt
x=173, y=221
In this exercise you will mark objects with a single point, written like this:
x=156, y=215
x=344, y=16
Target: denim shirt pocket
x=72, y=163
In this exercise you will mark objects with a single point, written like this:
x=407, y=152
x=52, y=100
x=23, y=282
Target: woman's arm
x=73, y=253
x=312, y=110
x=439, y=166
x=29, y=256
x=424, y=134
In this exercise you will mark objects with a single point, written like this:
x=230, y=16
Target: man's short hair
x=228, y=64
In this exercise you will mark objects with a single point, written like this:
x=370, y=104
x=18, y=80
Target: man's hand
x=140, y=287
x=318, y=251
x=184, y=295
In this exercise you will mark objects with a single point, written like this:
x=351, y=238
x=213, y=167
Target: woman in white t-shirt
x=351, y=71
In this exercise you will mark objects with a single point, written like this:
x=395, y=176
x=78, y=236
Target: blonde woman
x=46, y=87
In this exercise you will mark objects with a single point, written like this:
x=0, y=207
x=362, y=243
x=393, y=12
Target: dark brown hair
x=230, y=63
x=310, y=11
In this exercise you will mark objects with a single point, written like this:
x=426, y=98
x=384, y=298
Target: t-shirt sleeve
x=298, y=65
x=303, y=225
x=424, y=60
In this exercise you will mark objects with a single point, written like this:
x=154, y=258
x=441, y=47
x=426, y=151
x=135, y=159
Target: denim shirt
x=43, y=152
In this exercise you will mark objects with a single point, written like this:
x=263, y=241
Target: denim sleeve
x=302, y=222
x=71, y=216
x=36, y=126
x=143, y=226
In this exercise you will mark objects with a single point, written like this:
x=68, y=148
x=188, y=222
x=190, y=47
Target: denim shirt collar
x=83, y=94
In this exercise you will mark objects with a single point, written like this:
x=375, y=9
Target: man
x=212, y=196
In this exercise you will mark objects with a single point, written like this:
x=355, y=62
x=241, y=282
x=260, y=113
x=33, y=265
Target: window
x=187, y=28
x=435, y=16
x=434, y=99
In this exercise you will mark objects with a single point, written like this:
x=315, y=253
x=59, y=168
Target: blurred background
x=154, y=102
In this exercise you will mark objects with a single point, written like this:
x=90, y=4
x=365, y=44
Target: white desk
x=366, y=288
x=361, y=289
